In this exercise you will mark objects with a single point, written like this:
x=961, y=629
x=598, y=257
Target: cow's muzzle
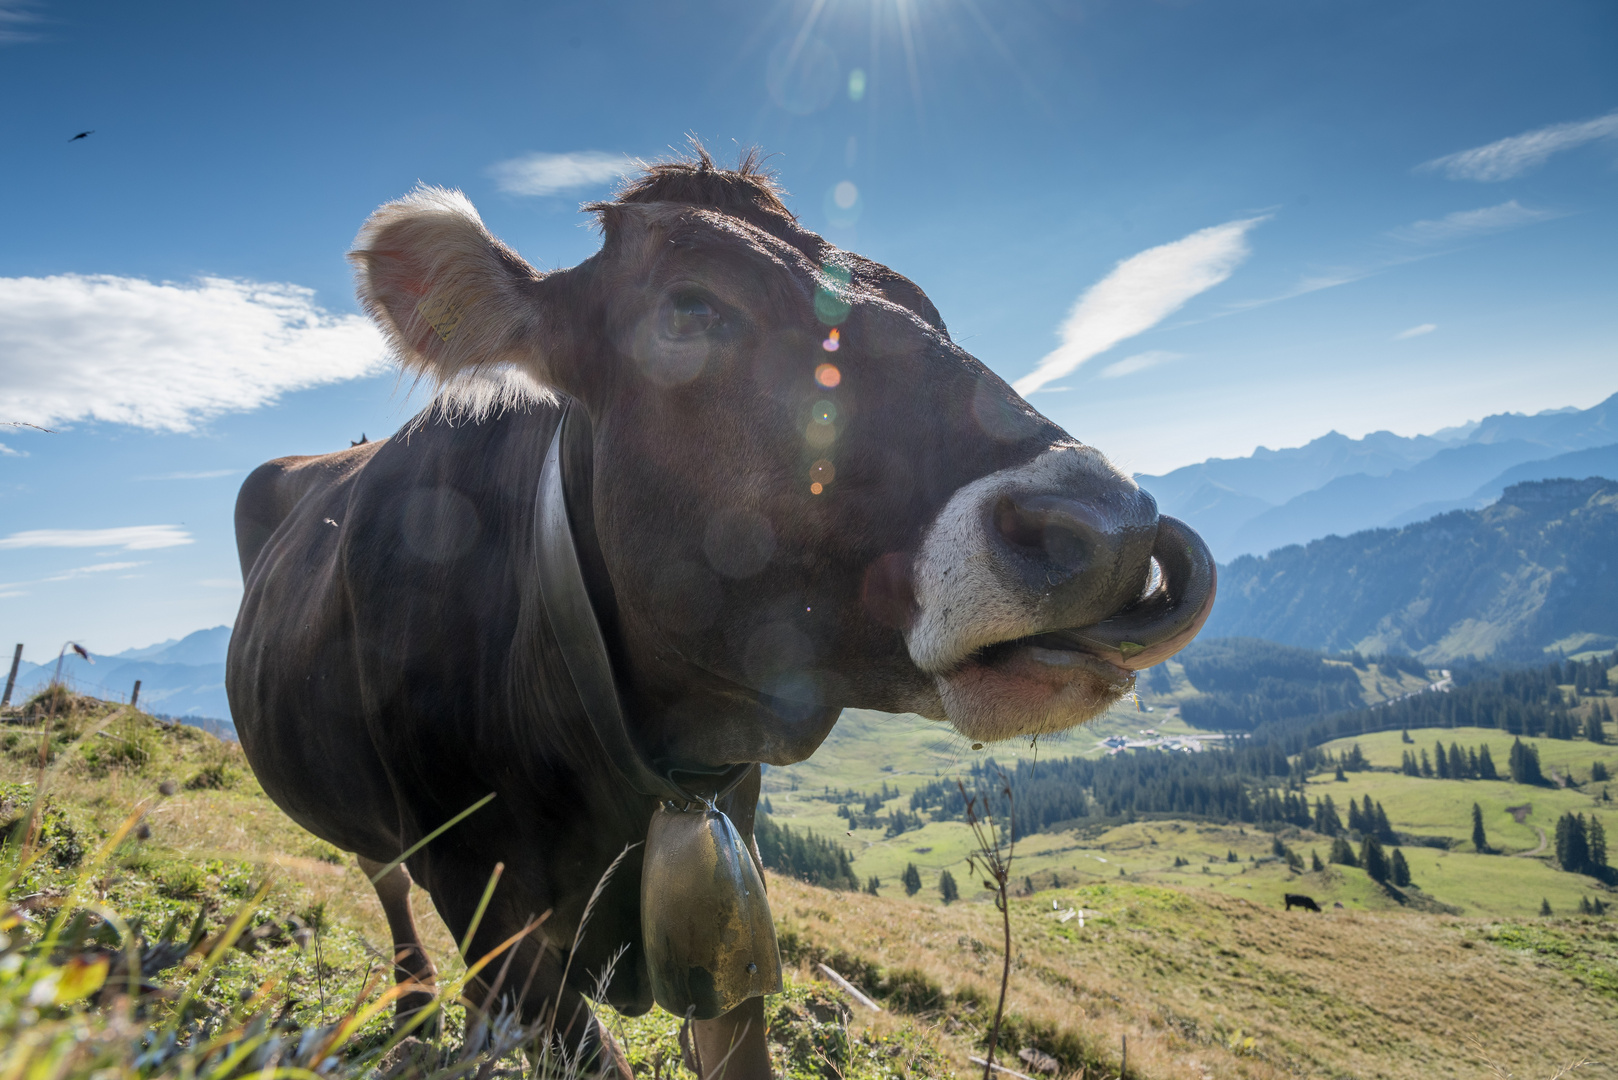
x=1162, y=622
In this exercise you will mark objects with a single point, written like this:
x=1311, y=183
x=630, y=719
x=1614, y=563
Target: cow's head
x=803, y=488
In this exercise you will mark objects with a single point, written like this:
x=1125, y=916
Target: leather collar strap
x=578, y=634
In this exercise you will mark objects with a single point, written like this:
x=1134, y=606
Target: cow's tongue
x=1162, y=622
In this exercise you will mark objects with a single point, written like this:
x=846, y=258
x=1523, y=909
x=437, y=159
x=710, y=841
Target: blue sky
x=1185, y=229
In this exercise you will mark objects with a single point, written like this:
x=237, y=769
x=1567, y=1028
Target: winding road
x=1543, y=844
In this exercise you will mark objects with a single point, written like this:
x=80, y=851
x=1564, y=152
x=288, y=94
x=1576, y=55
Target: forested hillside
x=1535, y=570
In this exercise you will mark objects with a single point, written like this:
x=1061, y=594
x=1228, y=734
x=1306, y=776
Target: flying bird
x=81, y=135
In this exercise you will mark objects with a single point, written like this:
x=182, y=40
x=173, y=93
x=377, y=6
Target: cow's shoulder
x=271, y=492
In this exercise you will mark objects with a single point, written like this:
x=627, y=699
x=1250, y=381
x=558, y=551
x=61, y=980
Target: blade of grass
x=483, y=905
x=434, y=835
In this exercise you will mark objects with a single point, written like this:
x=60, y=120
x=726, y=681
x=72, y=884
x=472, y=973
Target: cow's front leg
x=732, y=1047
x=410, y=960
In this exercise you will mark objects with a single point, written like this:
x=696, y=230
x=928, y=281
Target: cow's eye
x=692, y=314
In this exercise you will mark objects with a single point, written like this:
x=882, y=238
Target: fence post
x=11, y=680
x=134, y=695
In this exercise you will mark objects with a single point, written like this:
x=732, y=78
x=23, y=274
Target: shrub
x=213, y=777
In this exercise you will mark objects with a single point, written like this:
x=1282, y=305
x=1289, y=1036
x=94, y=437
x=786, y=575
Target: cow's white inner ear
x=454, y=303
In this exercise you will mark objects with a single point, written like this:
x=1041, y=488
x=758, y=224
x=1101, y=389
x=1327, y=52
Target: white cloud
x=69, y=575
x=128, y=537
x=6, y=451
x=1465, y=223
x=14, y=17
x=1139, y=362
x=165, y=356
x=550, y=174
x=1511, y=157
x=207, y=474
x=1415, y=331
x=1141, y=291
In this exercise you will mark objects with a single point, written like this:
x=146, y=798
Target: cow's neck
x=573, y=610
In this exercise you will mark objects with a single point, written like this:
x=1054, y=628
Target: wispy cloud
x=551, y=174
x=1415, y=331
x=209, y=474
x=66, y=575
x=128, y=537
x=15, y=20
x=1139, y=362
x=6, y=451
x=1511, y=157
x=1467, y=223
x=1141, y=291
x=165, y=356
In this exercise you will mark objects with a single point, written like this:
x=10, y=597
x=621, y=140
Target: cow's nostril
x=1065, y=547
x=1050, y=530
x=1018, y=527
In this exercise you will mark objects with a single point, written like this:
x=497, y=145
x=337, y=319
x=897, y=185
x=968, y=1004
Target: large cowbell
x=709, y=938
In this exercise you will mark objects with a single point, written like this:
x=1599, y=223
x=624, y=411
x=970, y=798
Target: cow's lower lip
x=1025, y=687
x=1051, y=651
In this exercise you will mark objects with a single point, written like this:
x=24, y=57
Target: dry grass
x=1203, y=985
x=1190, y=977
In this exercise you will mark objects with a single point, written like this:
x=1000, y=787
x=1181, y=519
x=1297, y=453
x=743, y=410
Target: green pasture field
x=1570, y=757
x=1511, y=883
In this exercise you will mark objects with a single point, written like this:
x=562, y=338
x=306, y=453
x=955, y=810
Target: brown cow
x=788, y=492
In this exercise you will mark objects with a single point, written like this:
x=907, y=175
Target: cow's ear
x=452, y=300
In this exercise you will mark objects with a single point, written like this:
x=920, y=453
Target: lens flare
x=815, y=489
x=828, y=376
x=833, y=341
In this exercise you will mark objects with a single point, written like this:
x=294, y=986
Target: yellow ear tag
x=442, y=314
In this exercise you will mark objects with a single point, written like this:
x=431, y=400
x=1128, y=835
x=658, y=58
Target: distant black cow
x=1299, y=900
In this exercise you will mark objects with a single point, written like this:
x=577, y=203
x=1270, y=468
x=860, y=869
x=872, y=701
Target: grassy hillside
x=1196, y=964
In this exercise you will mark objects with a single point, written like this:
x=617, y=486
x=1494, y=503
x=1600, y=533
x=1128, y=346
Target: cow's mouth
x=1054, y=679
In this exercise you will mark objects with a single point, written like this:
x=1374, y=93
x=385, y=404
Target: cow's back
x=376, y=622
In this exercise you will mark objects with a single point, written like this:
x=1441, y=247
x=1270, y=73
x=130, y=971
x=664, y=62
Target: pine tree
x=1230, y=856
x=1327, y=823
x=1598, y=846
x=1356, y=820
x=1480, y=840
x=1400, y=869
x=1404, y=737
x=1486, y=770
x=1544, y=906
x=1374, y=859
x=911, y=879
x=1426, y=765
x=1028, y=885
x=872, y=884
x=1314, y=861
x=1573, y=843
x=1342, y=854
x=1340, y=774
x=1592, y=724
x=947, y=887
x=1457, y=763
x=1524, y=764
x=1384, y=828
x=1472, y=764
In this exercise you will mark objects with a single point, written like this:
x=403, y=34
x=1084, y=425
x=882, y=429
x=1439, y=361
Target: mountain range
x=183, y=678
x=1535, y=571
x=1336, y=485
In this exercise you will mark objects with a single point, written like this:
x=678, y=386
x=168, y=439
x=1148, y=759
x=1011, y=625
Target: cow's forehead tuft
x=748, y=192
